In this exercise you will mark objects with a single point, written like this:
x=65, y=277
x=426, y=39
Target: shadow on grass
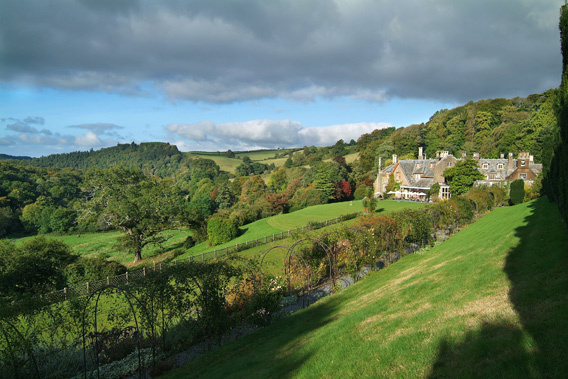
x=272, y=352
x=537, y=269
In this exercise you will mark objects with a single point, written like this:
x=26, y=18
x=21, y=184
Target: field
x=489, y=302
x=230, y=164
x=103, y=245
x=289, y=221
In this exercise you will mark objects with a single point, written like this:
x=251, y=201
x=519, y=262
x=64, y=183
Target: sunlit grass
x=489, y=302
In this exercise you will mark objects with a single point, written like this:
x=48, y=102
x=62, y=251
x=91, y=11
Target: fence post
x=189, y=259
x=108, y=281
x=127, y=276
x=87, y=287
x=215, y=254
x=160, y=266
x=65, y=293
x=154, y=264
x=203, y=257
x=227, y=250
x=144, y=271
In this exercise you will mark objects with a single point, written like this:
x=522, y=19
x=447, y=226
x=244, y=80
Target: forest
x=48, y=194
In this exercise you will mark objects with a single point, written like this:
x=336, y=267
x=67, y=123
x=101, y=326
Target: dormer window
x=485, y=166
x=432, y=165
x=500, y=166
x=418, y=165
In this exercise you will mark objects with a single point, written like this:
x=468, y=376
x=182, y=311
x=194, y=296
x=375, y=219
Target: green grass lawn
x=289, y=221
x=492, y=301
x=103, y=245
x=230, y=164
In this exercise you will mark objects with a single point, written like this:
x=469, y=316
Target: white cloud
x=329, y=135
x=89, y=139
x=267, y=134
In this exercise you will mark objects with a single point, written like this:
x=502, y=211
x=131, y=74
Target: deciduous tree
x=143, y=207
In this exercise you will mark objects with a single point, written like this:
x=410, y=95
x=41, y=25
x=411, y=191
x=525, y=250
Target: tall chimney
x=380, y=164
x=420, y=151
x=394, y=159
x=511, y=164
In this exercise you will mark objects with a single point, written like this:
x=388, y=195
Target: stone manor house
x=416, y=176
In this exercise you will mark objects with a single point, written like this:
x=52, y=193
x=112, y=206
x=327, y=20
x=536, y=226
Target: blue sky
x=241, y=74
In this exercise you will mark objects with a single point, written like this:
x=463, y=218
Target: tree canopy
x=143, y=207
x=462, y=176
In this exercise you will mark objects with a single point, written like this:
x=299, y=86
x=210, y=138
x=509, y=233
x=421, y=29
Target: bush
x=221, y=229
x=91, y=269
x=517, y=193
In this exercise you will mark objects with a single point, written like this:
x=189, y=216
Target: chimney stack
x=380, y=164
x=476, y=156
x=511, y=164
x=394, y=159
x=502, y=156
x=420, y=151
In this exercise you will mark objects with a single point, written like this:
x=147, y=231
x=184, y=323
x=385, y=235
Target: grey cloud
x=243, y=50
x=34, y=120
x=21, y=127
x=268, y=134
x=99, y=128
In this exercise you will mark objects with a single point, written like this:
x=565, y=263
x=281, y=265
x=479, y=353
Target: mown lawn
x=103, y=245
x=492, y=301
x=289, y=221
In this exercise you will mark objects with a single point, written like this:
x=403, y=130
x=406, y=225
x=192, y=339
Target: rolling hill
x=489, y=302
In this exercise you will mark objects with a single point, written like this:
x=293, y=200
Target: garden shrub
x=517, y=192
x=221, y=229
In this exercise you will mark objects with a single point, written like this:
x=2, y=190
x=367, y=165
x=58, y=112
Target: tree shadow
x=281, y=346
x=537, y=269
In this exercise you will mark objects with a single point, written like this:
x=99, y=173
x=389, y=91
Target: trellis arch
x=10, y=347
x=98, y=294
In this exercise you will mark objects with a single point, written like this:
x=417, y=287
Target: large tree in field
x=143, y=207
x=462, y=176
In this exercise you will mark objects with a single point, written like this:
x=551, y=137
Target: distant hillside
x=5, y=157
x=490, y=127
x=156, y=158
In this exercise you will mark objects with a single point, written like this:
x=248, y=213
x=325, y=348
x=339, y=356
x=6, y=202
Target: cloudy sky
x=243, y=74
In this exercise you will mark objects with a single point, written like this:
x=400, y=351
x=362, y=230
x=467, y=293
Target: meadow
x=491, y=301
x=289, y=221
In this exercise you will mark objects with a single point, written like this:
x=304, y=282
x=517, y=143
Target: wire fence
x=73, y=292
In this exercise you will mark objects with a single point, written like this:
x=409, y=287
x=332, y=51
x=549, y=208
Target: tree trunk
x=137, y=255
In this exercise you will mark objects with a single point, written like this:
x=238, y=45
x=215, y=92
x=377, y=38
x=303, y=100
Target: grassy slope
x=103, y=245
x=492, y=301
x=284, y=222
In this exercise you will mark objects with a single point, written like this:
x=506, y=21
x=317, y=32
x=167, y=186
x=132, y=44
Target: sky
x=240, y=74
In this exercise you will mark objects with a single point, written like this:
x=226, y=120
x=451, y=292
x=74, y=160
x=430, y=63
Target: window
x=500, y=166
x=485, y=166
x=432, y=165
x=418, y=165
x=523, y=176
x=398, y=177
x=491, y=176
x=449, y=164
x=523, y=163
